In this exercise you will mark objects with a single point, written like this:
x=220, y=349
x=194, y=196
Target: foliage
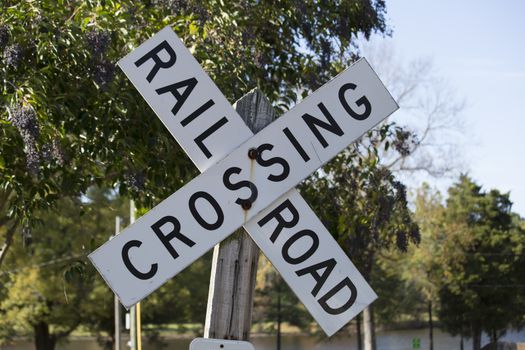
x=275, y=302
x=69, y=119
x=423, y=267
x=361, y=202
x=420, y=269
x=363, y=205
x=48, y=282
x=476, y=264
x=399, y=301
x=182, y=299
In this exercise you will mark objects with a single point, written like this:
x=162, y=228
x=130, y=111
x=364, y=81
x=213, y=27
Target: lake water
x=386, y=340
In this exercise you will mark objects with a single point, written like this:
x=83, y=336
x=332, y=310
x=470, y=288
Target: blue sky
x=478, y=47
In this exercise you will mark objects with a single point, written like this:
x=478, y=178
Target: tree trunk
x=358, y=332
x=461, y=346
x=43, y=339
x=494, y=336
x=430, y=326
x=476, y=337
x=369, y=328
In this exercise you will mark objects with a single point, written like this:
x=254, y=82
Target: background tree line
x=466, y=274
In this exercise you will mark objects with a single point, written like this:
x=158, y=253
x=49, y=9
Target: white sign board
x=184, y=97
x=219, y=344
x=190, y=222
x=311, y=262
x=363, y=295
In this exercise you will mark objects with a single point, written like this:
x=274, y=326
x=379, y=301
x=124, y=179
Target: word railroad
x=248, y=180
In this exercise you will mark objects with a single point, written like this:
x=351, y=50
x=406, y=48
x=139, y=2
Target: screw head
x=252, y=153
x=246, y=205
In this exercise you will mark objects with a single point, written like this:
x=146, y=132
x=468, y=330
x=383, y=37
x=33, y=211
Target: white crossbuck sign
x=248, y=180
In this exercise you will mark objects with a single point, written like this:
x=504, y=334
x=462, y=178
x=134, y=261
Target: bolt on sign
x=247, y=180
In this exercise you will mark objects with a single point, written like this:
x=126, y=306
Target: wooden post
x=234, y=266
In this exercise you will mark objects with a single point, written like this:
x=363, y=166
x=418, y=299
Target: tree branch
x=8, y=241
x=4, y=198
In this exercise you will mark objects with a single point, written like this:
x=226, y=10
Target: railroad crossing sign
x=248, y=180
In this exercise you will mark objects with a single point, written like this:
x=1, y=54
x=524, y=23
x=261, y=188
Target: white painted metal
x=130, y=289
x=225, y=139
x=219, y=344
x=304, y=285
x=329, y=323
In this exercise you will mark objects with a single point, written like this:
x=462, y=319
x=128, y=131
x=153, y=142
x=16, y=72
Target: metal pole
x=132, y=310
x=139, y=327
x=234, y=266
x=117, y=303
x=430, y=326
x=279, y=311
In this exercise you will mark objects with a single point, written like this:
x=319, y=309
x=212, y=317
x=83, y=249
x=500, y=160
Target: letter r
x=159, y=63
x=281, y=221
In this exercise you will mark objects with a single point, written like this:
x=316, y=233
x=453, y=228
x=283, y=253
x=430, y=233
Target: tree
x=69, y=119
x=430, y=113
x=187, y=294
x=479, y=254
x=49, y=288
x=427, y=143
x=275, y=303
x=362, y=203
x=181, y=300
x=48, y=280
x=422, y=265
x=30, y=307
x=399, y=299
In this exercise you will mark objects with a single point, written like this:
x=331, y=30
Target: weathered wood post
x=234, y=266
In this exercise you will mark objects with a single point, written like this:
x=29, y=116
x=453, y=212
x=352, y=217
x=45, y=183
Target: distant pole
x=132, y=310
x=279, y=311
x=117, y=303
x=139, y=327
x=430, y=326
x=234, y=266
